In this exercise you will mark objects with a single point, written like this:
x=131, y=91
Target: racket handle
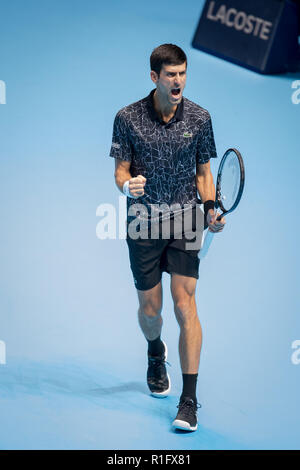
x=206, y=244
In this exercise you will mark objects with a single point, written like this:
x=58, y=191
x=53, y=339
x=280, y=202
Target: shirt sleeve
x=121, y=147
x=206, y=147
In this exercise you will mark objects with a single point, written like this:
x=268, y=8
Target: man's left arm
x=206, y=189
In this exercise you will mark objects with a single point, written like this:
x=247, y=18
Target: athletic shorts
x=149, y=257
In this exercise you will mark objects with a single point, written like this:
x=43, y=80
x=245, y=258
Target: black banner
x=260, y=35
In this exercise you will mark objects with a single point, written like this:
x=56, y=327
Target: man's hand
x=136, y=186
x=214, y=225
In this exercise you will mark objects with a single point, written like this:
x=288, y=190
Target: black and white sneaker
x=186, y=418
x=158, y=378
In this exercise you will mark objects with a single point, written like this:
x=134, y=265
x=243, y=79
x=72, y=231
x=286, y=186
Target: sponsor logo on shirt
x=188, y=134
x=116, y=146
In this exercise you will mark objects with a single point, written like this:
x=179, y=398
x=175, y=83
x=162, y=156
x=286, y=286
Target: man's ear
x=154, y=76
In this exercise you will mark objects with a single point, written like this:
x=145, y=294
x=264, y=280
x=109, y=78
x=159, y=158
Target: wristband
x=208, y=205
x=126, y=189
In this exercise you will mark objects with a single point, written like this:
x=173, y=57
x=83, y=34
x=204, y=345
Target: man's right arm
x=122, y=174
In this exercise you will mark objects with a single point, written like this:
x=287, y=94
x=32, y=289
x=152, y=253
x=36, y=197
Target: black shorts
x=149, y=257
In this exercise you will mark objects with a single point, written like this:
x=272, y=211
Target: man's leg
x=150, y=320
x=190, y=339
x=149, y=312
x=190, y=342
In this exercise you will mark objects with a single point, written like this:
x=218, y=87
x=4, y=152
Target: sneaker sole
x=177, y=423
x=165, y=393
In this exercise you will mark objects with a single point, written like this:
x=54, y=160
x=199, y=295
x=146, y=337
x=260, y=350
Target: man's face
x=171, y=82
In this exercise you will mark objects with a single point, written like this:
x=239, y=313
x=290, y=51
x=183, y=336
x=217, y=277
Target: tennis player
x=162, y=145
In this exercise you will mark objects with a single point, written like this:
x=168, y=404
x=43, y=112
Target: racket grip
x=206, y=244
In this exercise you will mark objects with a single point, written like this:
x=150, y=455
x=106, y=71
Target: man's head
x=168, y=71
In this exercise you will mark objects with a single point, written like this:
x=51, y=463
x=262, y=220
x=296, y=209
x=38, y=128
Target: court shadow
x=181, y=431
x=121, y=388
x=69, y=378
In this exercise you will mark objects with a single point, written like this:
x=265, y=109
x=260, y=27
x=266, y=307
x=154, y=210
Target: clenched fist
x=136, y=186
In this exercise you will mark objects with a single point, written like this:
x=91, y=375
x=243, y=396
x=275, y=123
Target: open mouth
x=175, y=91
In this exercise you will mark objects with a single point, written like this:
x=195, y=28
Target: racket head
x=230, y=181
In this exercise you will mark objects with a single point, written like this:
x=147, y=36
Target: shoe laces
x=157, y=368
x=189, y=406
x=158, y=361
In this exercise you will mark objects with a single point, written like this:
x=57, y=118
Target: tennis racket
x=229, y=190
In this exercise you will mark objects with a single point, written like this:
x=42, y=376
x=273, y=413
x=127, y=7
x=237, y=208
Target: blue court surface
x=73, y=358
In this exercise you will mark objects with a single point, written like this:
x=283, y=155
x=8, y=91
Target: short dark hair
x=166, y=54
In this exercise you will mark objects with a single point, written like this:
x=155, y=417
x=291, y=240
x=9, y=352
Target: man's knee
x=184, y=302
x=150, y=302
x=185, y=308
x=150, y=309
